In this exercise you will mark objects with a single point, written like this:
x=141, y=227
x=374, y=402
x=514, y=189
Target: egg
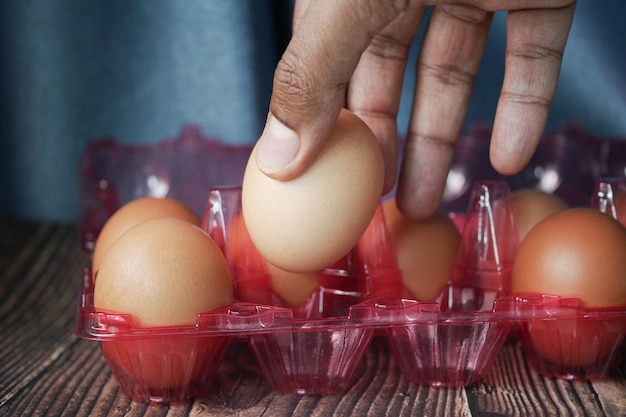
x=310, y=222
x=293, y=288
x=426, y=250
x=164, y=272
x=532, y=205
x=577, y=253
x=132, y=213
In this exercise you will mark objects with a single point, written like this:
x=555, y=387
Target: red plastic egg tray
x=315, y=348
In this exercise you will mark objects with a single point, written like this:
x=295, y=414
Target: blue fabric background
x=74, y=71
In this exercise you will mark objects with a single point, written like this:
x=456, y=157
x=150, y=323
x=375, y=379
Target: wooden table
x=46, y=370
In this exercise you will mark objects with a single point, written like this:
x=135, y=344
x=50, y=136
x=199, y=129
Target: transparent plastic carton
x=183, y=168
x=316, y=347
x=563, y=339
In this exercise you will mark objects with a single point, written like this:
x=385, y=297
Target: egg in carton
x=312, y=344
x=575, y=328
x=447, y=341
x=310, y=348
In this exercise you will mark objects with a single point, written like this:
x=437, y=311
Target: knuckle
x=532, y=51
x=466, y=13
x=301, y=87
x=418, y=140
x=448, y=74
x=526, y=98
x=388, y=48
x=290, y=80
x=375, y=14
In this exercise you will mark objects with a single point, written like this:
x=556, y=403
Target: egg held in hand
x=163, y=272
x=426, y=250
x=308, y=223
x=133, y=213
x=576, y=253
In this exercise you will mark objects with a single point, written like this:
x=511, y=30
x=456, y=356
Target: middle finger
x=447, y=68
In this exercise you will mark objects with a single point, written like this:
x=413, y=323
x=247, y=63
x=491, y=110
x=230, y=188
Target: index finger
x=311, y=78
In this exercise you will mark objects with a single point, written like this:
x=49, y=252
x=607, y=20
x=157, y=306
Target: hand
x=353, y=53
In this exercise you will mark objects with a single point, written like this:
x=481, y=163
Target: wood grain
x=46, y=371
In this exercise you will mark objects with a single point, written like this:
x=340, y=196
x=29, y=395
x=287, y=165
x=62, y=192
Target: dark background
x=73, y=71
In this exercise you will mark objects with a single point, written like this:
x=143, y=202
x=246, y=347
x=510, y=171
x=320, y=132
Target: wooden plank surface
x=46, y=371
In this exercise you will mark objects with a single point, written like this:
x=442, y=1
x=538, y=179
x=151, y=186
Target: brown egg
x=578, y=252
x=532, y=205
x=164, y=272
x=310, y=222
x=425, y=250
x=134, y=212
x=292, y=287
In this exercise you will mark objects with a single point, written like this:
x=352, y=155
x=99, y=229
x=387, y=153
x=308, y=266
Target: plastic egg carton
x=315, y=348
x=183, y=168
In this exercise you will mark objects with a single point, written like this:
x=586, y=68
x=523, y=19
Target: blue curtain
x=74, y=71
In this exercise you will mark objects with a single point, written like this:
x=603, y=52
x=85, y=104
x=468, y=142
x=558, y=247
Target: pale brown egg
x=133, y=213
x=426, y=250
x=531, y=206
x=577, y=252
x=308, y=223
x=164, y=272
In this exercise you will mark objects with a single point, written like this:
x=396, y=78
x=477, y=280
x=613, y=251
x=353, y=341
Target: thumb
x=311, y=78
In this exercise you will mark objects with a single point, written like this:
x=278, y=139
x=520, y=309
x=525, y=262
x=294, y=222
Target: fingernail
x=277, y=146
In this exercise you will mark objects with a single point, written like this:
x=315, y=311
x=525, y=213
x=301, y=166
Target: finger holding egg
x=308, y=223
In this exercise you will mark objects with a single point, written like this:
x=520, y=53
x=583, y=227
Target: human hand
x=353, y=54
